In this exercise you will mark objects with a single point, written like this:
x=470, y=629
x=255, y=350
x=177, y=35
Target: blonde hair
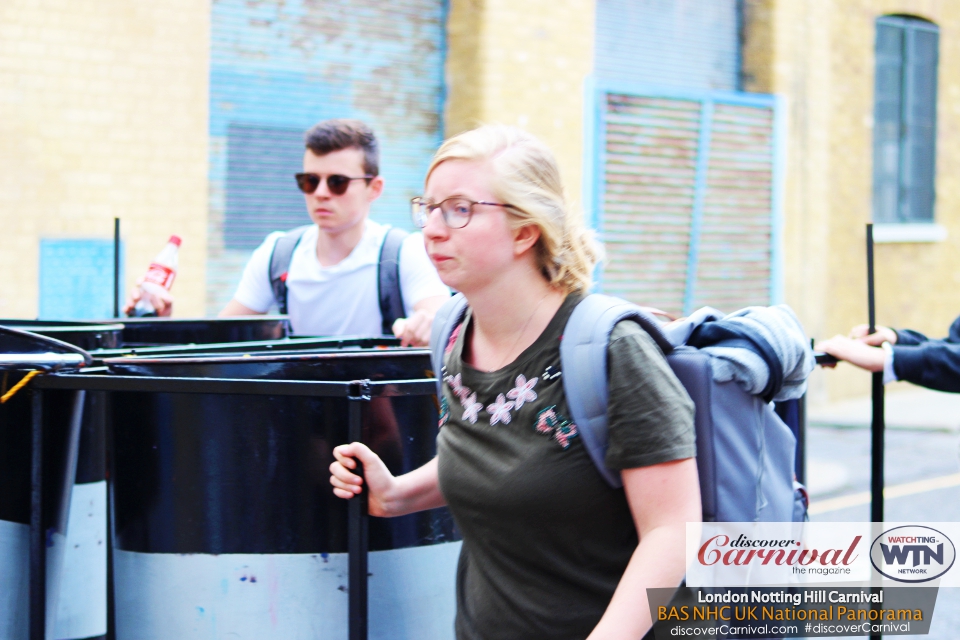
x=526, y=175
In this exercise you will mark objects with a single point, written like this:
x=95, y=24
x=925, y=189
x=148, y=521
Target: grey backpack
x=745, y=453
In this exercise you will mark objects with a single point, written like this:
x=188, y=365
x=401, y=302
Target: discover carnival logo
x=743, y=550
x=912, y=553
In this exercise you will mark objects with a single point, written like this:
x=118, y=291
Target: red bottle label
x=160, y=275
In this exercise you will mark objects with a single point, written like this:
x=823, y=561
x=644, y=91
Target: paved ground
x=922, y=471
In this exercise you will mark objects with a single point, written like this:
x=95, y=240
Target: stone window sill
x=909, y=232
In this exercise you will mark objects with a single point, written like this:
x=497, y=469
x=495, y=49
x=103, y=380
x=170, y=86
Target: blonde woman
x=549, y=549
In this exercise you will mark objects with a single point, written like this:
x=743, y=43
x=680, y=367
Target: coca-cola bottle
x=159, y=278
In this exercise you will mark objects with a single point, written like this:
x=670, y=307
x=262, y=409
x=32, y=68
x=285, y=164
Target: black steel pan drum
x=225, y=522
x=89, y=336
x=21, y=352
x=82, y=611
x=156, y=331
x=82, y=603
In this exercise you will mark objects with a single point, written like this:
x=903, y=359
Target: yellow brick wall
x=523, y=63
x=103, y=113
x=819, y=56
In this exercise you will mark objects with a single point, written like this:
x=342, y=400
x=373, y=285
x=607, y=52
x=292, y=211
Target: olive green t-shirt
x=545, y=539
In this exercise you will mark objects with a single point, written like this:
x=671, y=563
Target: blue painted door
x=277, y=68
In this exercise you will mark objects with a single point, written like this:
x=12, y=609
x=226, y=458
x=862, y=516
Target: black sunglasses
x=308, y=182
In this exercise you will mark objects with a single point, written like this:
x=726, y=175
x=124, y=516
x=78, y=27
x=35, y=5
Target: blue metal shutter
x=279, y=67
x=649, y=179
x=905, y=120
x=688, y=199
x=668, y=43
x=734, y=259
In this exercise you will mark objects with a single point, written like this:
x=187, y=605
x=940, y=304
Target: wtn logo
x=899, y=553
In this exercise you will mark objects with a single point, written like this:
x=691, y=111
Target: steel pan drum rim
x=271, y=358
x=222, y=348
x=60, y=325
x=52, y=345
x=174, y=321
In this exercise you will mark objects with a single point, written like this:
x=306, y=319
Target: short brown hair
x=341, y=133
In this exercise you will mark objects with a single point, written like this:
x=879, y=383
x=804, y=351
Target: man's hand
x=415, y=330
x=882, y=334
x=854, y=351
x=162, y=302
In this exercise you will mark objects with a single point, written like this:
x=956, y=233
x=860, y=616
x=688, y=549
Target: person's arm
x=415, y=330
x=663, y=498
x=389, y=496
x=254, y=294
x=935, y=364
x=234, y=308
x=854, y=351
x=422, y=290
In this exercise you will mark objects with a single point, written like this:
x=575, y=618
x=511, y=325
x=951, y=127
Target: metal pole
x=357, y=522
x=38, y=551
x=116, y=267
x=103, y=400
x=802, y=439
x=876, y=422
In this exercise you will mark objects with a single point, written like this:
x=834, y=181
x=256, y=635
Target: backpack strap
x=280, y=264
x=444, y=322
x=583, y=360
x=388, y=280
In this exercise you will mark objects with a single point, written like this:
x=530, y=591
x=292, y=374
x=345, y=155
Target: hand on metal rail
x=346, y=483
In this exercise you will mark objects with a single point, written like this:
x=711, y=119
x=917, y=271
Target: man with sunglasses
x=344, y=274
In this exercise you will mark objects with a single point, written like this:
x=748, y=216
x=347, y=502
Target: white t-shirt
x=342, y=299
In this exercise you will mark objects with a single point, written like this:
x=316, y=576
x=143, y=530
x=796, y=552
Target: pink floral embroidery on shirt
x=550, y=422
x=547, y=420
x=471, y=409
x=523, y=392
x=457, y=387
x=564, y=432
x=500, y=410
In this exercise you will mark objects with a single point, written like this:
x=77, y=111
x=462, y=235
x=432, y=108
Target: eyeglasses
x=308, y=182
x=456, y=211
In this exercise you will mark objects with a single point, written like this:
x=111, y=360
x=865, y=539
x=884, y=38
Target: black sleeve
x=934, y=364
x=909, y=337
x=954, y=334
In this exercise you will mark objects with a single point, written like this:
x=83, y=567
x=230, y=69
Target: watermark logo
x=912, y=553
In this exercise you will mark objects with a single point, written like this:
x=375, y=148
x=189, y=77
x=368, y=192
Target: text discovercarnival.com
x=778, y=580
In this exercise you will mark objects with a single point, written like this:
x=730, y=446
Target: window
x=905, y=120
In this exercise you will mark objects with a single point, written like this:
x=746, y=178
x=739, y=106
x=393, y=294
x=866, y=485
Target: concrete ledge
x=909, y=232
